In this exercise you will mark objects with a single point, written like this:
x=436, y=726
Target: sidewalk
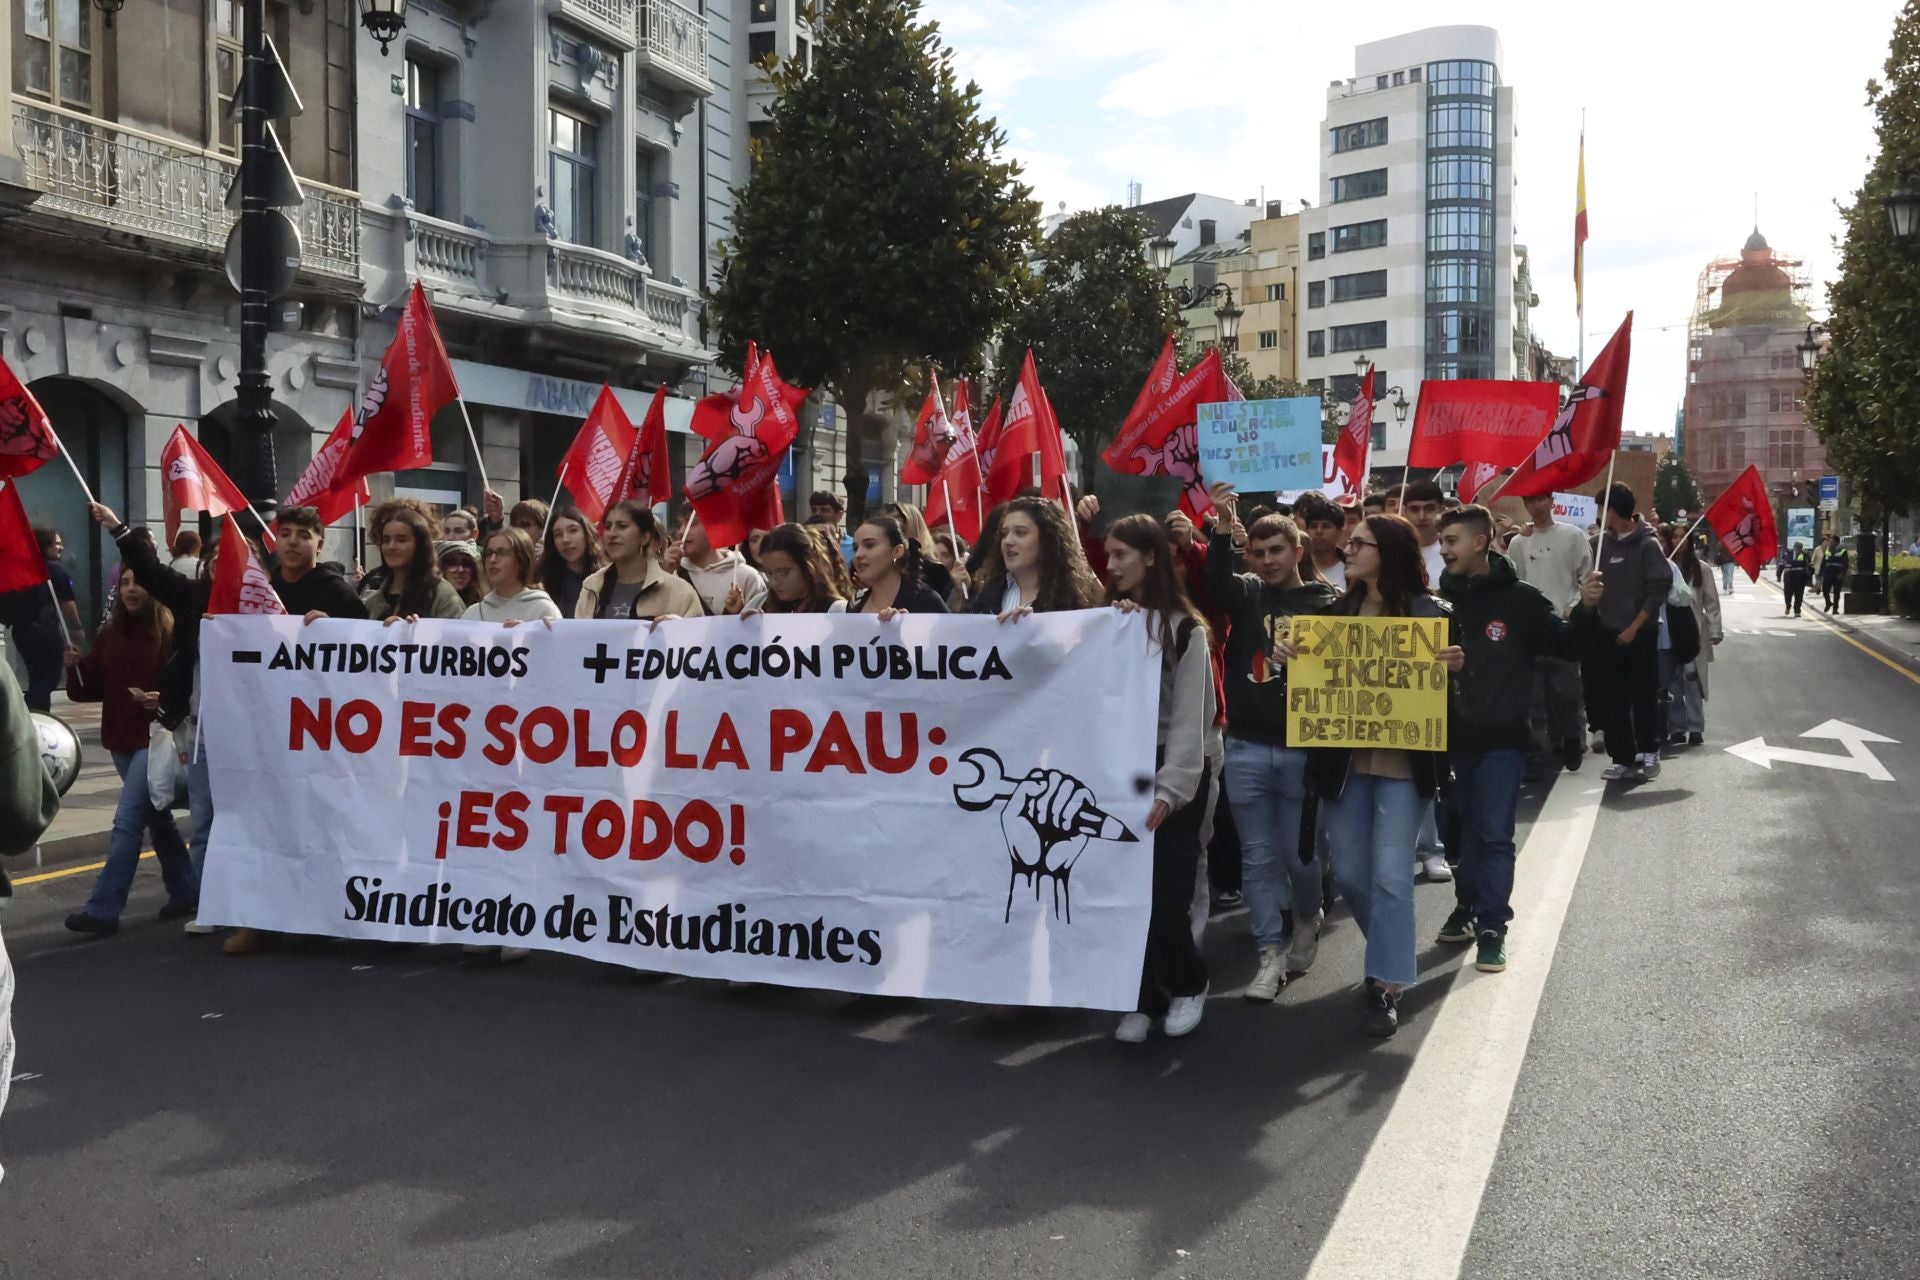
x=1894, y=638
x=80, y=830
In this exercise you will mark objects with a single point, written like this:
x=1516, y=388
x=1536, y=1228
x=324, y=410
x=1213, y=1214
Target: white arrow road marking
x=1859, y=758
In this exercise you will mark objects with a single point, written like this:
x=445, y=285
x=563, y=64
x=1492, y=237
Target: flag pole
x=1601, y=541
x=550, y=506
x=474, y=440
x=72, y=465
x=266, y=534
x=1685, y=537
x=359, y=538
x=66, y=636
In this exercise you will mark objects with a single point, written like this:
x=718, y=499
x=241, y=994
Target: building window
x=422, y=139
x=1379, y=82
x=1276, y=293
x=56, y=52
x=1316, y=293
x=1379, y=436
x=227, y=52
x=1358, y=337
x=1413, y=75
x=1459, y=333
x=1347, y=385
x=1363, y=284
x=1737, y=404
x=1459, y=124
x=573, y=176
x=1360, y=235
x=1399, y=78
x=759, y=46
x=1269, y=339
x=647, y=168
x=1453, y=177
x=1358, y=137
x=1459, y=230
x=1460, y=79
x=763, y=11
x=1459, y=280
x=801, y=54
x=1316, y=342
x=1360, y=186
x=1316, y=245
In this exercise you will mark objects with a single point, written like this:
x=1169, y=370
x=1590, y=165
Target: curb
x=87, y=846
x=1866, y=636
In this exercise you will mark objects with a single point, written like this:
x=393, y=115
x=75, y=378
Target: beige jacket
x=662, y=593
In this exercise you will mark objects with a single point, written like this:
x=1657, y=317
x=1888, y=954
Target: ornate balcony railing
x=673, y=40
x=451, y=255
x=615, y=17
x=135, y=181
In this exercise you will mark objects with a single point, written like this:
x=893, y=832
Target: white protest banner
x=1579, y=510
x=915, y=808
x=1333, y=482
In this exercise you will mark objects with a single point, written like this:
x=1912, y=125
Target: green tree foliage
x=882, y=227
x=1095, y=320
x=1865, y=398
x=1674, y=490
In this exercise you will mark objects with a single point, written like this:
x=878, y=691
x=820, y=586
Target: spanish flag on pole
x=1580, y=232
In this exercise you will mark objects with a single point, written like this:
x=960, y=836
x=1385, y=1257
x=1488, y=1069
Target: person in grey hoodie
x=1636, y=578
x=725, y=581
x=509, y=565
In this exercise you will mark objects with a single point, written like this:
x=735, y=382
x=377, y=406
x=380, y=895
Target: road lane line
x=64, y=872
x=1410, y=1211
x=1871, y=652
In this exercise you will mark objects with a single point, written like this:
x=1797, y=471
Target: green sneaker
x=1459, y=926
x=1492, y=957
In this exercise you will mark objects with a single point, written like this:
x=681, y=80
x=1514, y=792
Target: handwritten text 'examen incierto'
x=1368, y=682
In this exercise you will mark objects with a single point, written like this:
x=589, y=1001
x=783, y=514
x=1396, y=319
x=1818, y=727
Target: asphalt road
x=1718, y=1082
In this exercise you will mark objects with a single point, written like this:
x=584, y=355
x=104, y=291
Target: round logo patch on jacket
x=1496, y=630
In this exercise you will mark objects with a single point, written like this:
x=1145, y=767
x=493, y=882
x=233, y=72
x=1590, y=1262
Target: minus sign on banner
x=246, y=655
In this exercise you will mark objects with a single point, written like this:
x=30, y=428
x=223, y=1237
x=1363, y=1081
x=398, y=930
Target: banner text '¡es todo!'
x=891, y=741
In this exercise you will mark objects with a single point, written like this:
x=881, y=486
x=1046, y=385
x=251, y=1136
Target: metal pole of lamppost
x=254, y=423
x=1903, y=219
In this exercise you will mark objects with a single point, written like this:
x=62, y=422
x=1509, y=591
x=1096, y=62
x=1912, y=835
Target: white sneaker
x=197, y=929
x=1436, y=867
x=514, y=953
x=1620, y=772
x=1306, y=943
x=1270, y=977
x=1133, y=1028
x=1650, y=766
x=1183, y=1014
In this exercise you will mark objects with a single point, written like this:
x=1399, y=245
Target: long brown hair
x=151, y=629
x=1065, y=580
x=826, y=539
x=1403, y=571
x=520, y=543
x=417, y=596
x=552, y=569
x=798, y=544
x=1162, y=592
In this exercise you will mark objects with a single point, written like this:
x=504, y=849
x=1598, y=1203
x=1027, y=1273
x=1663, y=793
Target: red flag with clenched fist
x=26, y=435
x=733, y=487
x=1474, y=478
x=193, y=481
x=1743, y=517
x=239, y=584
x=414, y=382
x=959, y=476
x=933, y=436
x=21, y=564
x=1356, y=438
x=595, y=462
x=1587, y=431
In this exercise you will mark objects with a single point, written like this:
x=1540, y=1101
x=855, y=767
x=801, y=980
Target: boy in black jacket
x=1503, y=624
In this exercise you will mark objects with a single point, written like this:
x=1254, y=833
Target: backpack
x=1683, y=634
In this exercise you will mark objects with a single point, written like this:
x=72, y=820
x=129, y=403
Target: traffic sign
x=1829, y=493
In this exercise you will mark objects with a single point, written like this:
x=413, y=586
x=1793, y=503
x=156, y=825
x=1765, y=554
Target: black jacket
x=321, y=588
x=1256, y=613
x=187, y=599
x=1328, y=767
x=1503, y=624
x=914, y=597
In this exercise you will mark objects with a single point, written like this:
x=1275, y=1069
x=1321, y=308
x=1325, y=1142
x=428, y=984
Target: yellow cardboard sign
x=1368, y=682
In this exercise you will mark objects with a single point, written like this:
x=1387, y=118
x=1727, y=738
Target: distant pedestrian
x=1796, y=574
x=186, y=554
x=1727, y=565
x=1834, y=563
x=35, y=614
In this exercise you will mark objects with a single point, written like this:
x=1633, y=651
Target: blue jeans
x=1686, y=711
x=134, y=816
x=1486, y=792
x=1726, y=576
x=1372, y=828
x=1426, y=841
x=1267, y=787
x=199, y=806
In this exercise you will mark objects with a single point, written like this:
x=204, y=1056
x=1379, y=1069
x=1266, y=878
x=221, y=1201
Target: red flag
x=26, y=434
x=988, y=441
x=21, y=564
x=648, y=474
x=1053, y=441
x=959, y=476
x=597, y=459
x=1356, y=438
x=1481, y=420
x=1474, y=478
x=240, y=585
x=414, y=382
x=733, y=487
x=193, y=481
x=317, y=487
x=933, y=437
x=1743, y=517
x=714, y=416
x=1020, y=437
x=1587, y=431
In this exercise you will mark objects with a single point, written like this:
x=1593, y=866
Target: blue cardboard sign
x=1261, y=445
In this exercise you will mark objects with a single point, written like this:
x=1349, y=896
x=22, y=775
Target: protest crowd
x=1556, y=644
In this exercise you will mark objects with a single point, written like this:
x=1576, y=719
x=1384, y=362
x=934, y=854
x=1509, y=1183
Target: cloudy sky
x=1694, y=109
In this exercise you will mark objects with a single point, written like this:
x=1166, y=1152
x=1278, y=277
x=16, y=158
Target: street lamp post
x=1903, y=219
